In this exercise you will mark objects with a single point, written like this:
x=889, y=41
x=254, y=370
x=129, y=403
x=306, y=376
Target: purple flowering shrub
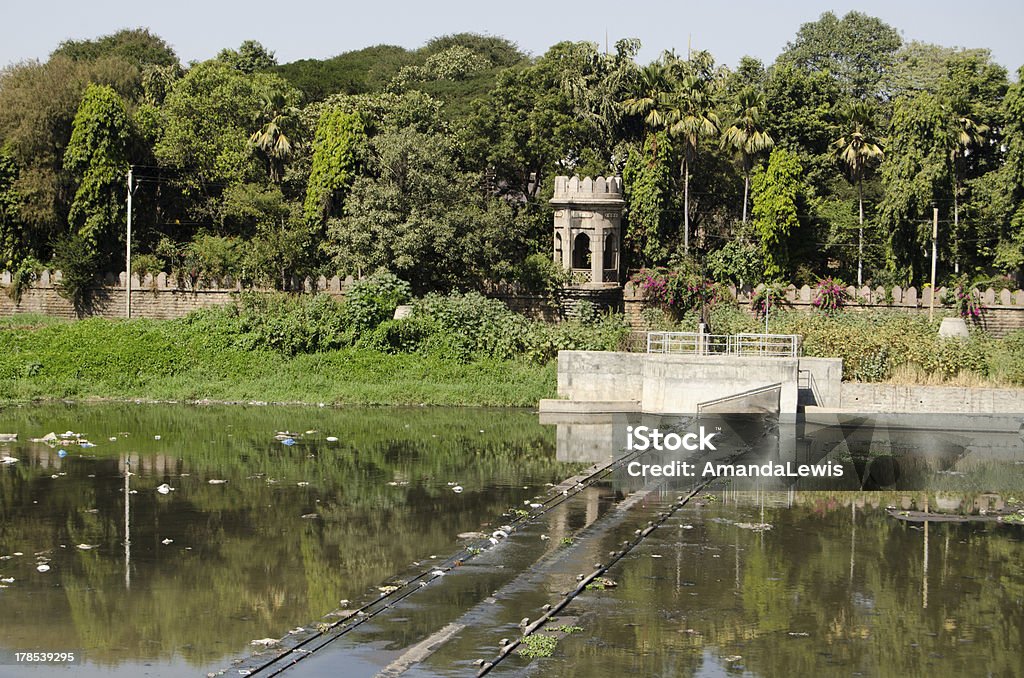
x=965, y=299
x=770, y=296
x=675, y=291
x=829, y=296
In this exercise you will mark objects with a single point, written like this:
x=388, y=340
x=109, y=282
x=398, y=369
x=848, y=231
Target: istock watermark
x=643, y=438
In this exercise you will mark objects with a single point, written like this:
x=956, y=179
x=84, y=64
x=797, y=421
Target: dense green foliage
x=454, y=349
x=438, y=163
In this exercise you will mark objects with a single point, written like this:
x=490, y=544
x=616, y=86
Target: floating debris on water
x=457, y=489
x=332, y=439
x=215, y=481
x=165, y=489
x=6, y=460
x=42, y=567
x=264, y=642
x=165, y=542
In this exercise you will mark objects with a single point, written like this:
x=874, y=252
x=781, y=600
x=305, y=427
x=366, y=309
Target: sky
x=300, y=29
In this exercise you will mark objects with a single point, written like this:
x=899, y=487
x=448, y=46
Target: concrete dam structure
x=670, y=383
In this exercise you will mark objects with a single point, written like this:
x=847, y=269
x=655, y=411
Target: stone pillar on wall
x=588, y=217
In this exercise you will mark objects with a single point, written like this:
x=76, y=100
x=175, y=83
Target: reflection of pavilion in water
x=155, y=465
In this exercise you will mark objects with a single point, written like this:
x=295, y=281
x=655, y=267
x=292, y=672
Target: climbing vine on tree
x=97, y=158
x=776, y=193
x=648, y=184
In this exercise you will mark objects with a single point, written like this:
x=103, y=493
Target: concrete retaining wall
x=665, y=383
x=858, y=397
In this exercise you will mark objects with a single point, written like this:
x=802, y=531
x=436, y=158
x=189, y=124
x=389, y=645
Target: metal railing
x=699, y=343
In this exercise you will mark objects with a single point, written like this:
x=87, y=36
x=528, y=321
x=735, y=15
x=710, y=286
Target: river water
x=258, y=534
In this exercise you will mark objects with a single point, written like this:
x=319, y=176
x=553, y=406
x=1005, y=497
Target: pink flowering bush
x=675, y=291
x=771, y=296
x=829, y=296
x=965, y=298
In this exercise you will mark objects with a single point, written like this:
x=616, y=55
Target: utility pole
x=935, y=255
x=128, y=253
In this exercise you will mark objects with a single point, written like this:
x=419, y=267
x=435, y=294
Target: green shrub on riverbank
x=456, y=349
x=881, y=346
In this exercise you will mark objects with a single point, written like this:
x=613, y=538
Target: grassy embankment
x=43, y=358
x=456, y=350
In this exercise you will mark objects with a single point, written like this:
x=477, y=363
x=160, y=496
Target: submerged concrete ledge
x=554, y=406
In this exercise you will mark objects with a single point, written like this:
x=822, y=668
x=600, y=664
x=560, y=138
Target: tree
x=276, y=137
x=691, y=117
x=972, y=91
x=12, y=236
x=856, y=51
x=746, y=136
x=208, y=119
x=136, y=46
x=648, y=185
x=38, y=103
x=250, y=57
x=337, y=155
x=777, y=193
x=916, y=175
x=97, y=157
x=857, y=150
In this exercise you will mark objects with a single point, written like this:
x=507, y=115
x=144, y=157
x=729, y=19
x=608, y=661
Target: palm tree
x=968, y=134
x=746, y=136
x=649, y=102
x=273, y=137
x=690, y=117
x=857, y=150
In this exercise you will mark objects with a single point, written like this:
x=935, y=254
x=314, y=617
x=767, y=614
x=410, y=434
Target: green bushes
x=876, y=346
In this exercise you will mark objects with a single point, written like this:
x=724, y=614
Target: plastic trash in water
x=156, y=437
x=165, y=489
x=43, y=567
x=86, y=443
x=288, y=441
x=332, y=439
x=62, y=453
x=7, y=460
x=457, y=489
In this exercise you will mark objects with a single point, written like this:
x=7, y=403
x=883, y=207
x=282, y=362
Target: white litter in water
x=87, y=547
x=43, y=567
x=8, y=580
x=438, y=573
x=302, y=483
x=214, y=481
x=165, y=542
x=165, y=489
x=264, y=642
x=7, y=460
x=156, y=437
x=457, y=489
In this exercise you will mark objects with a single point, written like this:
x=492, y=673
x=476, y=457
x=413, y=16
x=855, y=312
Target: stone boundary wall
x=163, y=297
x=158, y=297
x=1004, y=310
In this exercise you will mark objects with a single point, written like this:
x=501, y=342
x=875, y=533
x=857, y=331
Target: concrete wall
x=820, y=381
x=671, y=383
x=600, y=375
x=857, y=397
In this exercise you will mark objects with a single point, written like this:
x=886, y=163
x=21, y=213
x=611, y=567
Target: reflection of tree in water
x=256, y=567
x=673, y=615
